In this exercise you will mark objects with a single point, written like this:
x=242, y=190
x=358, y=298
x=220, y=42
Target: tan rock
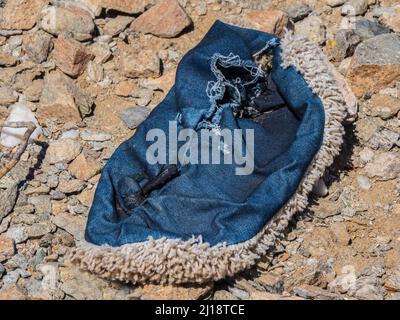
x=84, y=167
x=72, y=20
x=95, y=72
x=384, y=106
x=127, y=6
x=269, y=20
x=7, y=248
x=117, y=25
x=7, y=96
x=339, y=234
x=375, y=64
x=13, y=293
x=37, y=46
x=64, y=150
x=166, y=19
x=86, y=197
x=3, y=113
x=34, y=90
x=62, y=99
x=7, y=60
x=170, y=292
x=392, y=19
x=271, y=281
x=261, y=295
x=71, y=56
x=312, y=28
x=74, y=225
x=20, y=14
x=347, y=93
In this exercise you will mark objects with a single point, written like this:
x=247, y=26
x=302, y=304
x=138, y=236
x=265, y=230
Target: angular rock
x=125, y=88
x=375, y=64
x=7, y=60
x=144, y=64
x=344, y=44
x=99, y=136
x=74, y=21
x=127, y=6
x=8, y=198
x=7, y=96
x=170, y=292
x=384, y=166
x=346, y=281
x=101, y=51
x=84, y=167
x=34, y=91
x=116, y=25
x=38, y=230
x=223, y=295
x=13, y=293
x=261, y=295
x=37, y=46
x=133, y=117
x=313, y=28
x=320, y=189
x=272, y=282
x=384, y=106
x=298, y=10
x=64, y=151
x=369, y=288
x=74, y=225
x=368, y=29
x=20, y=14
x=71, y=186
x=392, y=282
x=166, y=19
x=71, y=56
x=315, y=293
x=7, y=248
x=335, y=3
x=271, y=20
x=63, y=99
x=384, y=139
x=363, y=183
x=340, y=234
x=391, y=18
x=95, y=72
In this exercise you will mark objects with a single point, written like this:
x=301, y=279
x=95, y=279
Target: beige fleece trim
x=175, y=261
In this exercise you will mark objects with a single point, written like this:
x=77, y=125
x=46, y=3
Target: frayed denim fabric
x=214, y=81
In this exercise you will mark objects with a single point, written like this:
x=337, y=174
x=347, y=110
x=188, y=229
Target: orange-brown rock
x=20, y=14
x=166, y=19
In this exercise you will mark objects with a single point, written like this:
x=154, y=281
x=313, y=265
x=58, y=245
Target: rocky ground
x=91, y=70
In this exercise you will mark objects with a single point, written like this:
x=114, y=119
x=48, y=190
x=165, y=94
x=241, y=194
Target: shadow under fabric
x=194, y=223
